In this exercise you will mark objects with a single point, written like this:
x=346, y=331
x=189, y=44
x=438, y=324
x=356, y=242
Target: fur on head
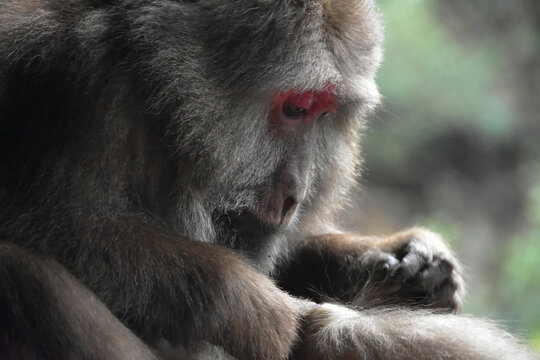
x=271, y=47
x=190, y=85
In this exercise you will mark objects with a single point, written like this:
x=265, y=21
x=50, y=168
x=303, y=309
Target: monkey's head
x=266, y=101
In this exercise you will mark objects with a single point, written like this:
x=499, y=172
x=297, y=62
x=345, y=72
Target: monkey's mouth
x=235, y=226
x=249, y=222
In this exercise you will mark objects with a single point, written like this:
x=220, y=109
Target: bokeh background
x=456, y=145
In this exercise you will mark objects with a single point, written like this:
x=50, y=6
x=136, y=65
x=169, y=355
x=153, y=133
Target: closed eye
x=293, y=111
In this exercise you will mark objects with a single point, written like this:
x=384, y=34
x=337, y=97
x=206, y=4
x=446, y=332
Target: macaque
x=171, y=172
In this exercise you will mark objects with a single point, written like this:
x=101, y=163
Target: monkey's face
x=270, y=121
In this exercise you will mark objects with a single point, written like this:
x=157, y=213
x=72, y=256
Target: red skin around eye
x=313, y=102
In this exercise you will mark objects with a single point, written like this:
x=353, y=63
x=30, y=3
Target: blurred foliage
x=521, y=275
x=437, y=65
x=456, y=144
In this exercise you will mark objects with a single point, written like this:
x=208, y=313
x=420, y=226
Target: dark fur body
x=135, y=151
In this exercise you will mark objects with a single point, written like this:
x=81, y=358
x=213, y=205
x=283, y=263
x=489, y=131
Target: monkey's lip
x=249, y=222
x=246, y=223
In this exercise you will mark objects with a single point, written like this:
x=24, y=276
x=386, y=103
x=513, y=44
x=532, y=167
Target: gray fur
x=401, y=334
x=135, y=148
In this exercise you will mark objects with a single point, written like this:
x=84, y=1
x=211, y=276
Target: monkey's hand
x=413, y=267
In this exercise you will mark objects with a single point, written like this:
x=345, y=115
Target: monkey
x=171, y=172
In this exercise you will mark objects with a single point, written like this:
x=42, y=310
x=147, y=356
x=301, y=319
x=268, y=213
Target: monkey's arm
x=335, y=332
x=48, y=314
x=413, y=267
x=162, y=286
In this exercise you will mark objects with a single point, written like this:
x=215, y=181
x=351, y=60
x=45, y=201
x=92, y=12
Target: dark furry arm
x=163, y=286
x=413, y=267
x=48, y=314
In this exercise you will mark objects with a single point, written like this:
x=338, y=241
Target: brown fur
x=412, y=267
x=403, y=335
x=141, y=165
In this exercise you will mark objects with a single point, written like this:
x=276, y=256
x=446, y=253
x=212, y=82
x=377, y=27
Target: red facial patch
x=292, y=110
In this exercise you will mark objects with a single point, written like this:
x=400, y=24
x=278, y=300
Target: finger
x=417, y=257
x=379, y=264
x=434, y=274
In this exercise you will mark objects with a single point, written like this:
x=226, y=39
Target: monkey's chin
x=240, y=229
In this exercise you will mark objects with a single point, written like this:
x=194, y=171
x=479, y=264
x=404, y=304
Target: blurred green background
x=456, y=145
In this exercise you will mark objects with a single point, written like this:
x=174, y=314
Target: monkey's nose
x=288, y=209
x=279, y=208
x=281, y=199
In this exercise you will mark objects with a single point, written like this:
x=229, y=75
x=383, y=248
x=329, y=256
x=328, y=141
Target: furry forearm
x=336, y=332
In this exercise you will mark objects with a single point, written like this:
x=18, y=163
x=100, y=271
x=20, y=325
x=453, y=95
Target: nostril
x=287, y=211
